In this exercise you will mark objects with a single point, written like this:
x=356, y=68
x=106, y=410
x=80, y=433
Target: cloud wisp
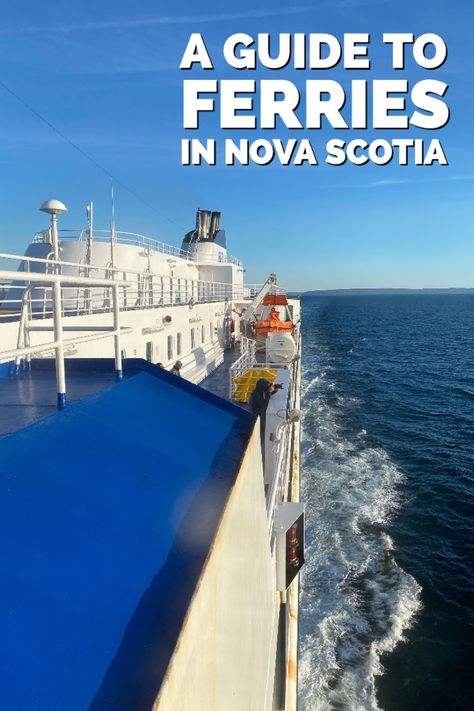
x=390, y=181
x=461, y=177
x=405, y=181
x=165, y=20
x=169, y=20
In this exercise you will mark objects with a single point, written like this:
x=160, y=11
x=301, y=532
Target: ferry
x=150, y=422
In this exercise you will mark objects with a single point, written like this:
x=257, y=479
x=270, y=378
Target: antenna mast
x=90, y=231
x=112, y=229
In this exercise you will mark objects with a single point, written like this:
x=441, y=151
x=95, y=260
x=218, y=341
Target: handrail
x=276, y=488
x=195, y=287
x=160, y=292
x=56, y=282
x=251, y=290
x=83, y=265
x=60, y=262
x=145, y=289
x=132, y=238
x=69, y=280
x=281, y=449
x=248, y=348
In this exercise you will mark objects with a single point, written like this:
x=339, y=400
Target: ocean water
x=387, y=604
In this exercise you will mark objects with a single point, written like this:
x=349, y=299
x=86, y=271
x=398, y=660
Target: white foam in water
x=356, y=602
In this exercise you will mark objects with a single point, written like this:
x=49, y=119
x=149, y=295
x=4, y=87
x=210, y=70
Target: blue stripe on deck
x=107, y=513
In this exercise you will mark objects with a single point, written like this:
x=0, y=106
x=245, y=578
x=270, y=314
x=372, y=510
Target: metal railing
x=281, y=449
x=251, y=290
x=146, y=290
x=277, y=491
x=248, y=349
x=57, y=282
x=131, y=238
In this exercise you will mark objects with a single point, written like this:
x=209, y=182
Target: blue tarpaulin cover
x=107, y=513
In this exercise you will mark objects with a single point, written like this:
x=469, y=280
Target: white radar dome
x=281, y=348
x=53, y=207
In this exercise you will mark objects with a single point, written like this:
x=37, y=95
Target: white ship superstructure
x=155, y=523
x=177, y=304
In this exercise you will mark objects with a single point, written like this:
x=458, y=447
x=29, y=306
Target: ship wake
x=356, y=601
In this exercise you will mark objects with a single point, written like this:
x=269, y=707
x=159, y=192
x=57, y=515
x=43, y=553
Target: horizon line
x=383, y=289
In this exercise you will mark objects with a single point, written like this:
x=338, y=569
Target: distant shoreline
x=381, y=292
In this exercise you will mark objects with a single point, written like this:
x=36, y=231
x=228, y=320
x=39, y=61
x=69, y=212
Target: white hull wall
x=225, y=656
x=127, y=257
x=205, y=267
x=147, y=327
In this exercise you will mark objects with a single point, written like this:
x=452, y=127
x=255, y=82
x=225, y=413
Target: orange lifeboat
x=273, y=325
x=275, y=300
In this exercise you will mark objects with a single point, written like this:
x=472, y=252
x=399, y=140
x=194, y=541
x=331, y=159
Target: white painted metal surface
x=280, y=348
x=225, y=655
x=137, y=240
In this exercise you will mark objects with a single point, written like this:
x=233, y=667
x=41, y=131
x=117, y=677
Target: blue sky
x=107, y=76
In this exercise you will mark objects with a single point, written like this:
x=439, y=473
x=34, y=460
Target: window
x=203, y=332
x=178, y=344
x=193, y=340
x=211, y=331
x=149, y=351
x=170, y=347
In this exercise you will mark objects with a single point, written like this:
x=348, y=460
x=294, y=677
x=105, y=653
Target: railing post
x=58, y=320
x=58, y=337
x=118, y=352
x=21, y=328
